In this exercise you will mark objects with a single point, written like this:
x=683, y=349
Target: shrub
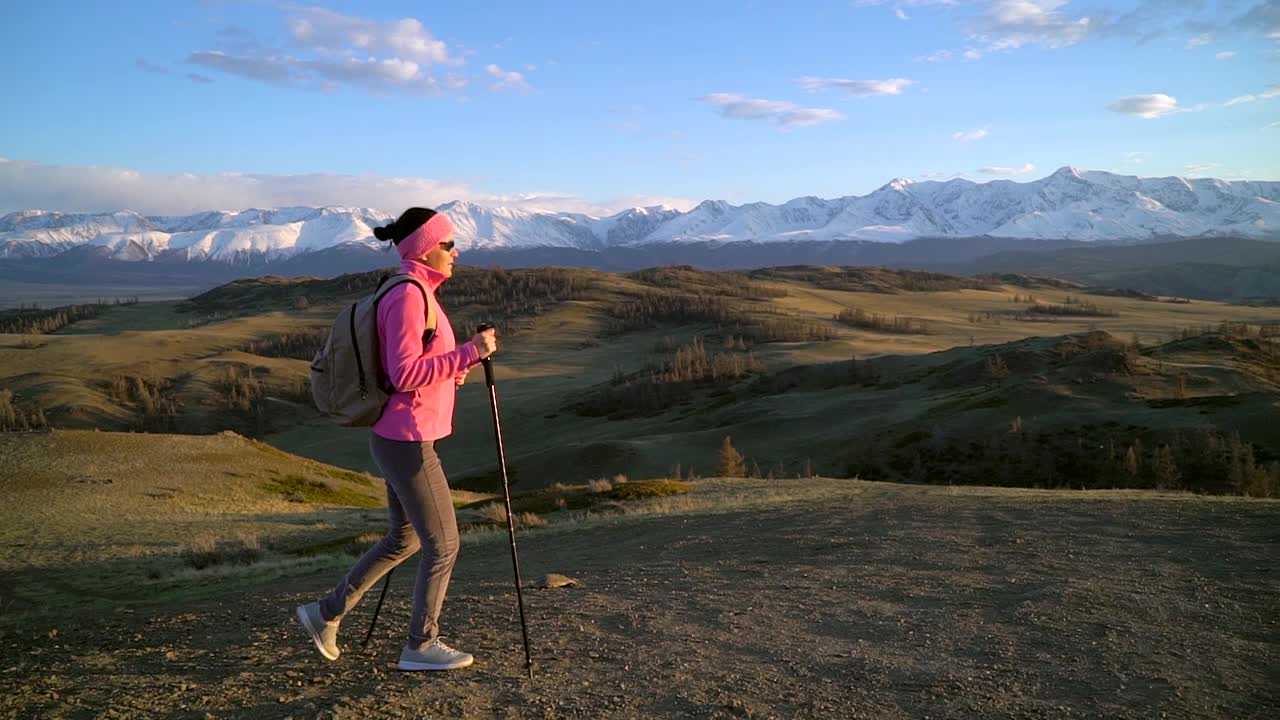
x=496, y=514
x=599, y=486
x=642, y=489
x=529, y=520
x=204, y=551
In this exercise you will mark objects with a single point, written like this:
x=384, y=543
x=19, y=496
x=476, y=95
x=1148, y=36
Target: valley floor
x=892, y=602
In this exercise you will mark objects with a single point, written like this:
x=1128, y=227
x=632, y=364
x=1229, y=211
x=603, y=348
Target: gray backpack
x=347, y=380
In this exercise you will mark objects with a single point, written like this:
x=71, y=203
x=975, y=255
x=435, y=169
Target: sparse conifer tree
x=1131, y=462
x=1165, y=468
x=996, y=368
x=732, y=463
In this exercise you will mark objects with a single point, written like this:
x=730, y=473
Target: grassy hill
x=101, y=518
x=1229, y=269
x=91, y=516
x=884, y=373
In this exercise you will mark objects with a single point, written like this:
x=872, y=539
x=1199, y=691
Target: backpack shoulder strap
x=390, y=281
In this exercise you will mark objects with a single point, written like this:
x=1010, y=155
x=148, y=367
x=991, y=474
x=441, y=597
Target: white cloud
x=1135, y=157
x=935, y=57
x=1145, y=106
x=1199, y=40
x=970, y=135
x=328, y=50
x=971, y=55
x=1195, y=23
x=507, y=79
x=737, y=106
x=900, y=14
x=198, y=78
x=1011, y=24
x=329, y=32
x=1225, y=55
x=804, y=117
x=1194, y=169
x=369, y=74
x=1270, y=92
x=272, y=70
x=1274, y=125
x=784, y=114
x=904, y=3
x=856, y=88
x=27, y=185
x=998, y=170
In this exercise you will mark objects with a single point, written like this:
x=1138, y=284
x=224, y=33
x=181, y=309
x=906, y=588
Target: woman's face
x=442, y=256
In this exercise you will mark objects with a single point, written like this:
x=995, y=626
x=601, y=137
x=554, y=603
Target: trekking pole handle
x=487, y=362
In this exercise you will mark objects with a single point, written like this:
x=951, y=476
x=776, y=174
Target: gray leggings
x=421, y=515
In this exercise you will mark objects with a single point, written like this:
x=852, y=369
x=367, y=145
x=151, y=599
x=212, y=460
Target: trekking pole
x=506, y=493
x=376, y=610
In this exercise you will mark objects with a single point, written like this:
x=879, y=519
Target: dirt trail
x=909, y=603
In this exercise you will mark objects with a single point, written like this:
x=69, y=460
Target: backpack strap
x=390, y=281
x=384, y=286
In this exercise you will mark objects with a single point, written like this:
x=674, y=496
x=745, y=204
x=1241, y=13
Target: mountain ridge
x=1069, y=204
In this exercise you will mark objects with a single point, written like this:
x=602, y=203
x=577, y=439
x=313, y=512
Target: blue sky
x=596, y=106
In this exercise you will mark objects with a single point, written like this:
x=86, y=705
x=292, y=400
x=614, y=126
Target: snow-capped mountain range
x=1070, y=204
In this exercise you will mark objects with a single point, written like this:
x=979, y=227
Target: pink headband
x=426, y=237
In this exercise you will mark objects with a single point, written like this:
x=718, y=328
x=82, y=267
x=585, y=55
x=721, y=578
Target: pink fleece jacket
x=424, y=378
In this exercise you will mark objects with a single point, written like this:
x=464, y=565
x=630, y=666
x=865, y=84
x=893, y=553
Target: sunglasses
x=447, y=245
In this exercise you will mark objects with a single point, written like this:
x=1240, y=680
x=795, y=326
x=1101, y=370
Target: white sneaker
x=435, y=655
x=323, y=634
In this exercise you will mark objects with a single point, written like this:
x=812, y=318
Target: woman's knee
x=445, y=550
x=401, y=542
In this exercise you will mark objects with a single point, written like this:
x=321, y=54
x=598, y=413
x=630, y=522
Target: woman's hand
x=486, y=342
x=462, y=378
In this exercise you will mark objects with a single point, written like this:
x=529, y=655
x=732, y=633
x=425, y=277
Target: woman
x=425, y=375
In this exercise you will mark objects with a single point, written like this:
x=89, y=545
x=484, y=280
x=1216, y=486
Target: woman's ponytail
x=403, y=226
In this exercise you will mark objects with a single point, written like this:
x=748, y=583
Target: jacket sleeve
x=402, y=320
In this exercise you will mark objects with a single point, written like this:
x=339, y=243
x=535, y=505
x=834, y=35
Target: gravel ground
x=908, y=602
